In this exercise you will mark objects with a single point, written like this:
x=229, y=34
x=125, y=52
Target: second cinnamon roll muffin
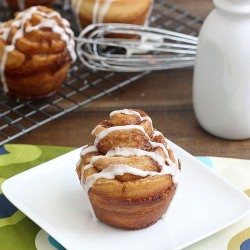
x=36, y=50
x=112, y=11
x=129, y=172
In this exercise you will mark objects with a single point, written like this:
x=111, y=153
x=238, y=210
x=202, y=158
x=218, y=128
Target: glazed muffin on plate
x=129, y=172
x=36, y=50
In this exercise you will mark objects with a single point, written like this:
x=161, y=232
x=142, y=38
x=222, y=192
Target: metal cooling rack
x=82, y=85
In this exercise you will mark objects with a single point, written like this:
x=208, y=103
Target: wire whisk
x=133, y=48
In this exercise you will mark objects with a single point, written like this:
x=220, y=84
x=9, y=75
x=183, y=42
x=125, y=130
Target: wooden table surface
x=166, y=96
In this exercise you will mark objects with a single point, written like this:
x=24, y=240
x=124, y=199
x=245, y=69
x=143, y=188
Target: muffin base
x=131, y=214
x=37, y=85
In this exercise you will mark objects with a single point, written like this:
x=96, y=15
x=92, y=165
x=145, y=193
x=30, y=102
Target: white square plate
x=50, y=194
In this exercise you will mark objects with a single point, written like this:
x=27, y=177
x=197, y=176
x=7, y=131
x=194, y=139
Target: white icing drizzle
x=157, y=133
x=117, y=169
x=138, y=152
x=92, y=161
x=2, y=67
x=149, y=12
x=144, y=46
x=100, y=10
x=50, y=23
x=167, y=166
x=103, y=10
x=131, y=112
x=106, y=131
x=88, y=149
x=98, y=13
x=85, y=150
x=95, y=11
x=77, y=5
x=94, y=130
x=177, y=174
x=135, y=152
x=65, y=33
x=5, y=33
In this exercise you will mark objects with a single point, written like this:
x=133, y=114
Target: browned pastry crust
x=27, y=3
x=121, y=11
x=133, y=213
x=129, y=201
x=40, y=60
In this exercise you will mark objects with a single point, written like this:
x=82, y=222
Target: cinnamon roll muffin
x=112, y=11
x=22, y=4
x=129, y=172
x=36, y=50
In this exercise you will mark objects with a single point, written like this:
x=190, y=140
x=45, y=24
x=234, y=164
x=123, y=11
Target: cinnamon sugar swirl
x=129, y=172
x=36, y=50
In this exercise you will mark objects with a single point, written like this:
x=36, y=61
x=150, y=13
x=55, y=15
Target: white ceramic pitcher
x=221, y=87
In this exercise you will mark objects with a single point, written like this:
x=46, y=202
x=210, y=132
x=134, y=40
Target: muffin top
x=126, y=148
x=33, y=38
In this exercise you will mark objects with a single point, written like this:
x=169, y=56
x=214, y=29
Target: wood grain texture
x=166, y=96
